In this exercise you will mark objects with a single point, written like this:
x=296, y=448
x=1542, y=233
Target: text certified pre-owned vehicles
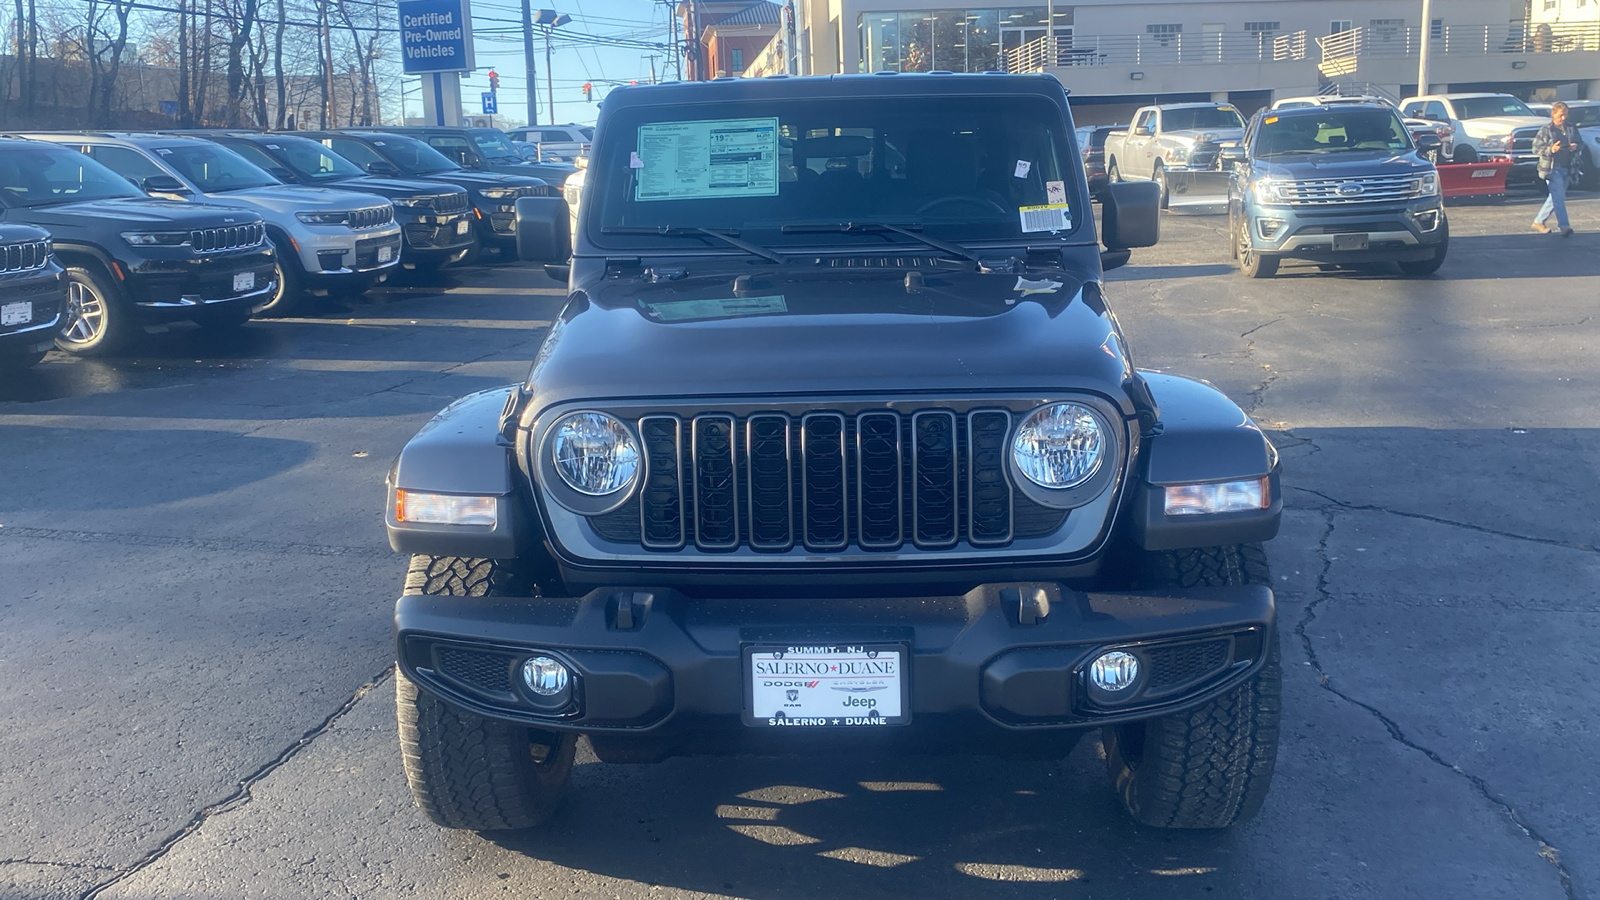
x=327, y=240
x=494, y=197
x=1332, y=185
x=132, y=261
x=32, y=294
x=837, y=456
x=435, y=220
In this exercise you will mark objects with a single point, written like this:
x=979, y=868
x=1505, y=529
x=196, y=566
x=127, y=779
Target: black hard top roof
x=785, y=87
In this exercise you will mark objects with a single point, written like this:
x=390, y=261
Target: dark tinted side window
x=355, y=151
x=130, y=163
x=254, y=154
x=457, y=150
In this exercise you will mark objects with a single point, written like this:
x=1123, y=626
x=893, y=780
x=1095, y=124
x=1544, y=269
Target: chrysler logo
x=1350, y=189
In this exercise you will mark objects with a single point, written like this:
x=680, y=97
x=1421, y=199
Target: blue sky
x=497, y=26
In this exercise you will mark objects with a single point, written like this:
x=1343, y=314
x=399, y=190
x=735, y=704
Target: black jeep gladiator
x=837, y=446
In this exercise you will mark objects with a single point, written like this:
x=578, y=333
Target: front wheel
x=96, y=321
x=1210, y=767
x=1113, y=174
x=1252, y=263
x=1159, y=176
x=1431, y=264
x=289, y=297
x=466, y=770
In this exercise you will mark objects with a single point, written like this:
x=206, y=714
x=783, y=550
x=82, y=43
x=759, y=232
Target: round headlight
x=594, y=453
x=1059, y=446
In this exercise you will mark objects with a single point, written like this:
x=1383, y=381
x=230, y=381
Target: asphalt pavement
x=195, y=600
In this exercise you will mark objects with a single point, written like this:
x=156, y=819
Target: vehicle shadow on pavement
x=844, y=826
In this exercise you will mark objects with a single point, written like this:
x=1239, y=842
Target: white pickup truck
x=1486, y=125
x=1175, y=145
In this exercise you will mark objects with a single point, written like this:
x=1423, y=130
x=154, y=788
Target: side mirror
x=383, y=168
x=1145, y=130
x=1230, y=155
x=163, y=184
x=1130, y=216
x=543, y=233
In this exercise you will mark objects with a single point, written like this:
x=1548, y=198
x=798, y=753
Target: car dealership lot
x=194, y=649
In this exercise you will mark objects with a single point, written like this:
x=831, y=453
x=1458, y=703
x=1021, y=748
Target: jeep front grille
x=211, y=240
x=824, y=481
x=24, y=256
x=446, y=204
x=371, y=217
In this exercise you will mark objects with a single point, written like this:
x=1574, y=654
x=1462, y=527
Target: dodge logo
x=1350, y=189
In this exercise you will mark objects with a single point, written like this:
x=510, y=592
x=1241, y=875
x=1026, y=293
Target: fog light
x=546, y=677
x=1114, y=672
x=444, y=509
x=1268, y=228
x=1428, y=221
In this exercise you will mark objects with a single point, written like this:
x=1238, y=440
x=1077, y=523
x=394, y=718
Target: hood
x=133, y=212
x=292, y=198
x=798, y=329
x=481, y=180
x=1345, y=164
x=15, y=233
x=1493, y=125
x=388, y=187
x=1219, y=135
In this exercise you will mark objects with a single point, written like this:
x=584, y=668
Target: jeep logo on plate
x=1350, y=189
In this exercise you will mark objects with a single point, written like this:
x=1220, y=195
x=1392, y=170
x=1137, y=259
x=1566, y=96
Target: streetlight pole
x=549, y=77
x=528, y=60
x=1427, y=39
x=549, y=20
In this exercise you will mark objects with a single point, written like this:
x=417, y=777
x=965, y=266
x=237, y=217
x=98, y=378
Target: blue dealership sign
x=436, y=36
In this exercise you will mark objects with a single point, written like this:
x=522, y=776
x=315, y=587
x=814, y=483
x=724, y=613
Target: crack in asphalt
x=1438, y=520
x=206, y=544
x=1262, y=325
x=243, y=794
x=1547, y=851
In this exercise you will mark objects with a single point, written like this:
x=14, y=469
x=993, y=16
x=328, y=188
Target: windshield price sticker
x=1051, y=217
x=832, y=686
x=716, y=158
x=687, y=310
x=16, y=313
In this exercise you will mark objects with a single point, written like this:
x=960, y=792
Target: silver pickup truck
x=1176, y=146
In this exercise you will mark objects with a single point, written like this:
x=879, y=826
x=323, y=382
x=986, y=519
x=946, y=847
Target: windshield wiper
x=908, y=230
x=727, y=237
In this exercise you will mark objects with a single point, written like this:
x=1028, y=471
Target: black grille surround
x=211, y=240
x=370, y=217
x=24, y=257
x=857, y=479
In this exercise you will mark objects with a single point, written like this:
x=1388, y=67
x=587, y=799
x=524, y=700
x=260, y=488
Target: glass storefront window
x=952, y=40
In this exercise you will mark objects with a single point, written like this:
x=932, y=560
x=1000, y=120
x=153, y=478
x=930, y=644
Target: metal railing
x=1154, y=50
x=1516, y=37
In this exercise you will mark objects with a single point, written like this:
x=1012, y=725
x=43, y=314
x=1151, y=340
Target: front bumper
x=1392, y=231
x=657, y=665
x=44, y=293
x=332, y=255
x=433, y=238
x=172, y=289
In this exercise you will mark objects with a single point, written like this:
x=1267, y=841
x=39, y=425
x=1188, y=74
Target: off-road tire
x=1210, y=767
x=466, y=770
x=1432, y=264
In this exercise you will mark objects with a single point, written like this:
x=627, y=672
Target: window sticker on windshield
x=273, y=147
x=685, y=310
x=163, y=151
x=1055, y=192
x=1022, y=168
x=713, y=158
x=1051, y=217
x=634, y=162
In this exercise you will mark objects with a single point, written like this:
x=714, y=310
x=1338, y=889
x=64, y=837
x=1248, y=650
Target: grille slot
x=1179, y=666
x=879, y=479
x=25, y=256
x=1369, y=189
x=211, y=240
x=370, y=217
x=489, y=672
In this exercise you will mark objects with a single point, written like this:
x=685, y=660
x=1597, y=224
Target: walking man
x=1557, y=148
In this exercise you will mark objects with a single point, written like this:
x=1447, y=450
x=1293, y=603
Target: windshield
x=1332, y=130
x=213, y=168
x=962, y=169
x=494, y=145
x=1583, y=115
x=1486, y=107
x=311, y=160
x=42, y=175
x=1200, y=117
x=412, y=155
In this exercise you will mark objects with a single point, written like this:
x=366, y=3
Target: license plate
x=16, y=313
x=463, y=226
x=385, y=254
x=826, y=685
x=244, y=281
x=1349, y=242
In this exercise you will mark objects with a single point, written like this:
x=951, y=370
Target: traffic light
x=494, y=82
x=588, y=91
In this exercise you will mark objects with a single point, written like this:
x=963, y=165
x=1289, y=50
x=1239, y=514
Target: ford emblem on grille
x=1350, y=189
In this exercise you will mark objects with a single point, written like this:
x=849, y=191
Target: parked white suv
x=556, y=143
x=1485, y=125
x=327, y=240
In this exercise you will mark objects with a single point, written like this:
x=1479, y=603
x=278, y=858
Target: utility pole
x=652, y=58
x=528, y=60
x=549, y=76
x=1427, y=39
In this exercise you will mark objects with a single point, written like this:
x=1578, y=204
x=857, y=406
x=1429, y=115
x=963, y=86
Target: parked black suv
x=132, y=261
x=843, y=455
x=494, y=197
x=437, y=221
x=486, y=150
x=32, y=293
